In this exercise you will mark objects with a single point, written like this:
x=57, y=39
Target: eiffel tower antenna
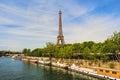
x=60, y=37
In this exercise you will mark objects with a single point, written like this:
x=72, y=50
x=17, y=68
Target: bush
x=111, y=65
x=99, y=65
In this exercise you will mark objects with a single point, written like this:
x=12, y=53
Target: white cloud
x=5, y=21
x=94, y=28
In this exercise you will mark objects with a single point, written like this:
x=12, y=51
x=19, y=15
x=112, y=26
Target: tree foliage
x=89, y=49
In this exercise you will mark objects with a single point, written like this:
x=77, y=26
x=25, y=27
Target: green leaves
x=66, y=52
x=112, y=44
x=26, y=51
x=89, y=49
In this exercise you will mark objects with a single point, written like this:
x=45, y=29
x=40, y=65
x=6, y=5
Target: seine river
x=17, y=70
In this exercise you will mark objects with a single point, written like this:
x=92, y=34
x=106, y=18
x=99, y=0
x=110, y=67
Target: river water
x=17, y=70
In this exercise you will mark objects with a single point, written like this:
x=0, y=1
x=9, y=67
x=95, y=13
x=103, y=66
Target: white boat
x=60, y=65
x=33, y=60
x=16, y=57
x=44, y=62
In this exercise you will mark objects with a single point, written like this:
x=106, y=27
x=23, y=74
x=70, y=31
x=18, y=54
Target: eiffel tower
x=60, y=37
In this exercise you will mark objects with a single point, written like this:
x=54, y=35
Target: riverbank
x=73, y=65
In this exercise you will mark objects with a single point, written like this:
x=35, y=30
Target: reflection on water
x=75, y=75
x=18, y=70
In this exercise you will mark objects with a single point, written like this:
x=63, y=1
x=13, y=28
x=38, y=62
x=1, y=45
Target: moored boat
x=60, y=65
x=44, y=62
x=17, y=57
x=33, y=60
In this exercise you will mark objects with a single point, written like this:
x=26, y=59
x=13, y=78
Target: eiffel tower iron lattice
x=60, y=37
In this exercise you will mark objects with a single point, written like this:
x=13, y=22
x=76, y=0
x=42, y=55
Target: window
x=113, y=72
x=101, y=70
x=107, y=71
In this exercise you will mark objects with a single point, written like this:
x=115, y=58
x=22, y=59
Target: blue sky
x=33, y=23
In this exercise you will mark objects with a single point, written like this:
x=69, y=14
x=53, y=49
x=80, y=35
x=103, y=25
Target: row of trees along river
x=88, y=50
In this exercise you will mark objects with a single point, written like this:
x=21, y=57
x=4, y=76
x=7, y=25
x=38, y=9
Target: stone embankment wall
x=79, y=62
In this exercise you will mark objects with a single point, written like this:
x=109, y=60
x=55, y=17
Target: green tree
x=86, y=50
x=68, y=51
x=115, y=38
x=36, y=52
x=26, y=51
x=50, y=48
x=109, y=46
x=61, y=53
x=56, y=53
x=103, y=57
x=86, y=55
x=76, y=47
